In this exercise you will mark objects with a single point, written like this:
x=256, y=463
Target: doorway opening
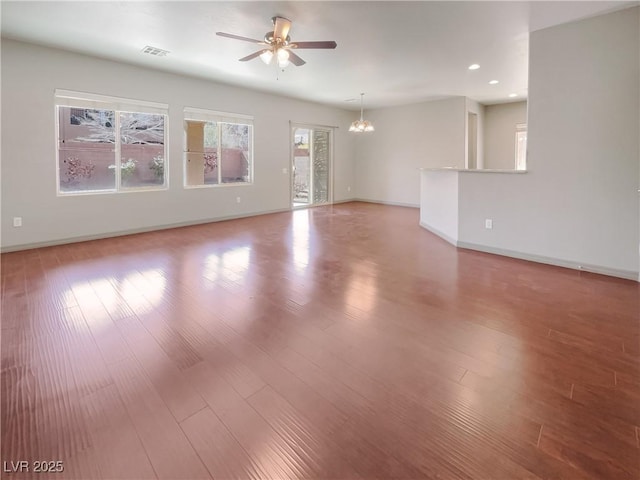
x=311, y=159
x=472, y=140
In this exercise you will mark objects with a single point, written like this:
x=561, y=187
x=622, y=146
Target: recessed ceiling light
x=494, y=82
x=474, y=66
x=155, y=51
x=511, y=95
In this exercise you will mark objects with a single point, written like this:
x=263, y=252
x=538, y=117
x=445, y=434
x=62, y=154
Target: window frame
x=205, y=115
x=89, y=101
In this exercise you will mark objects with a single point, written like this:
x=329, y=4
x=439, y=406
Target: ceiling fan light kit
x=283, y=57
x=266, y=56
x=362, y=125
x=278, y=44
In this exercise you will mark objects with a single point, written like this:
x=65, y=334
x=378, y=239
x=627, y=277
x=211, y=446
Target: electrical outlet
x=488, y=223
x=237, y=199
x=348, y=189
x=285, y=170
x=17, y=221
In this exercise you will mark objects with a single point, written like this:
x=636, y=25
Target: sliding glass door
x=311, y=165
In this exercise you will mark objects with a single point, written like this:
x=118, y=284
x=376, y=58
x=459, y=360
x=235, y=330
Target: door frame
x=309, y=126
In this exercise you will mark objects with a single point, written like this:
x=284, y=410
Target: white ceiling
x=395, y=52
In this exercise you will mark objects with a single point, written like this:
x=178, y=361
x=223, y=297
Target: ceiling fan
x=278, y=44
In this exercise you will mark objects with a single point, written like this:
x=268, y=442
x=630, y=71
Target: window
x=109, y=145
x=218, y=148
x=521, y=146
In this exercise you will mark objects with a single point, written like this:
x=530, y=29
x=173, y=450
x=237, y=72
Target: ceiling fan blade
x=253, y=55
x=281, y=27
x=327, y=44
x=295, y=59
x=238, y=37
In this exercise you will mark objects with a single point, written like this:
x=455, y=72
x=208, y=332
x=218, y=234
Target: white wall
x=429, y=134
x=31, y=73
x=500, y=134
x=578, y=204
x=439, y=203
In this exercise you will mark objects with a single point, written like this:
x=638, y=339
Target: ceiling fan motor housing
x=271, y=40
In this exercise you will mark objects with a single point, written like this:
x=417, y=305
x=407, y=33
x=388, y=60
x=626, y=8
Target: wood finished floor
x=336, y=342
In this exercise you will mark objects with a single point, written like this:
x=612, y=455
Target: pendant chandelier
x=361, y=125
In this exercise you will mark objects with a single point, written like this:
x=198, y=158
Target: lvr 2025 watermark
x=38, y=466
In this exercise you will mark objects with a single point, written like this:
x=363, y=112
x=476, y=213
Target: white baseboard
x=383, y=202
x=442, y=235
x=626, y=274
x=120, y=233
x=558, y=262
x=345, y=200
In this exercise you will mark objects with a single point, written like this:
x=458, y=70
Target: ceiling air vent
x=158, y=52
